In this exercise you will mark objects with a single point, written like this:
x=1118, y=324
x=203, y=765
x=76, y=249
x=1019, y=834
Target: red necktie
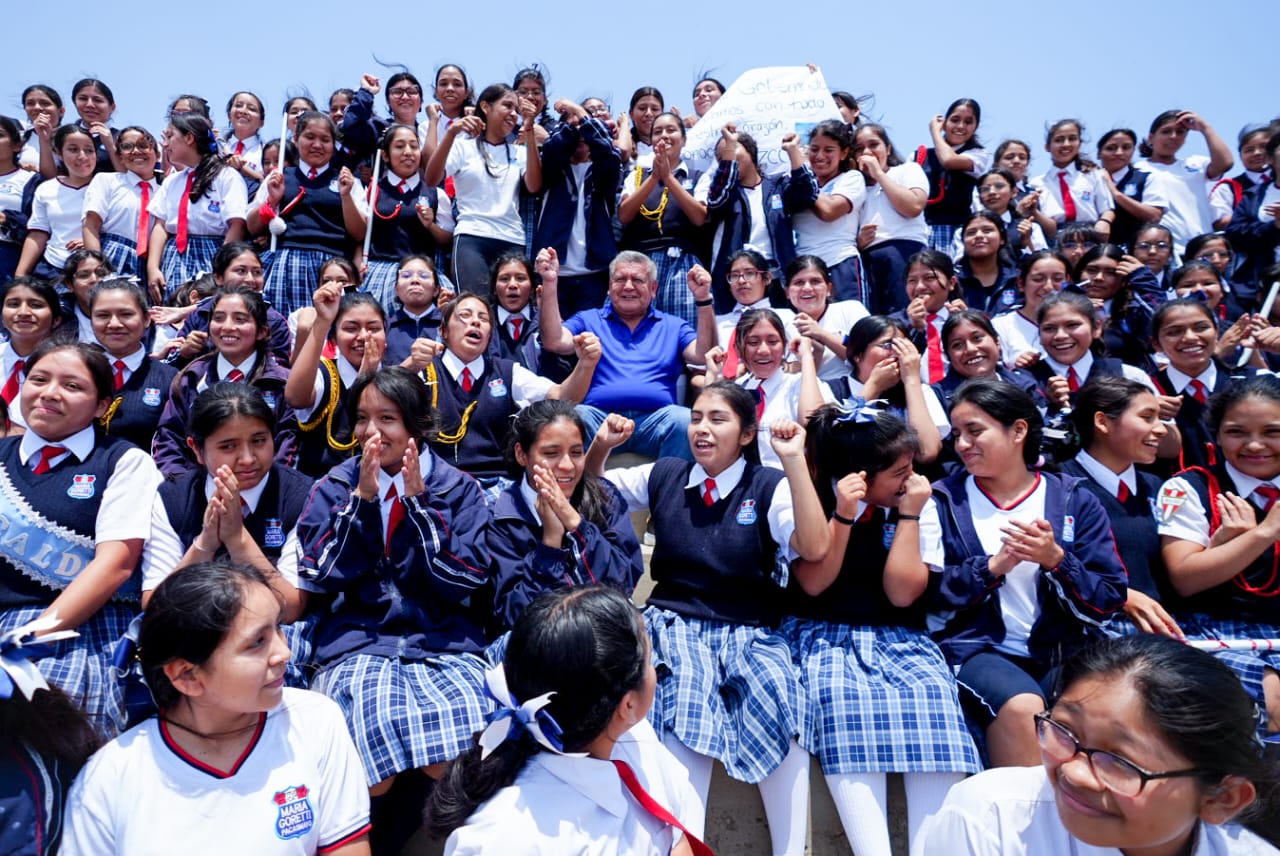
x=708, y=492
x=14, y=383
x=312, y=173
x=244, y=508
x=516, y=323
x=48, y=453
x=760, y=399
x=933, y=340
x=1198, y=391
x=401, y=187
x=394, y=517
x=867, y=514
x=117, y=382
x=1068, y=201
x=1073, y=380
x=144, y=220
x=467, y=381
x=239, y=147
x=1123, y=493
x=235, y=376
x=182, y=214
x=1268, y=492
x=649, y=804
x=730, y=370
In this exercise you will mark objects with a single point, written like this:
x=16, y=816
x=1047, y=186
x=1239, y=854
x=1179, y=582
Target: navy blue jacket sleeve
x=558, y=150
x=800, y=190
x=358, y=130
x=1090, y=583
x=720, y=194
x=606, y=160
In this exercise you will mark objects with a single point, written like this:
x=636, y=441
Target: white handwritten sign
x=768, y=104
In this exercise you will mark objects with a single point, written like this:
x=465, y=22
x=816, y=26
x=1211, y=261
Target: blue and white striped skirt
x=408, y=713
x=1249, y=666
x=940, y=237
x=81, y=667
x=727, y=691
x=883, y=700
x=674, y=297
x=122, y=252
x=179, y=268
x=292, y=278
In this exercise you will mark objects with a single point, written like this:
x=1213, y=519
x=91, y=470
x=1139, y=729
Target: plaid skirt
x=292, y=278
x=408, y=713
x=179, y=268
x=299, y=636
x=941, y=235
x=380, y=283
x=674, y=297
x=81, y=667
x=727, y=691
x=122, y=252
x=1248, y=665
x=883, y=700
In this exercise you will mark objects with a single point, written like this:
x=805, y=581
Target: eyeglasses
x=141, y=146
x=1119, y=775
x=98, y=272
x=1074, y=245
x=1214, y=254
x=744, y=276
x=404, y=92
x=411, y=275
x=1148, y=246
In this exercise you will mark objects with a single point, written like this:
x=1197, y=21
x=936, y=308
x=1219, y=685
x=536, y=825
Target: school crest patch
x=1068, y=529
x=82, y=486
x=274, y=534
x=270, y=398
x=498, y=388
x=889, y=530
x=215, y=206
x=151, y=397
x=1171, y=499
x=747, y=512
x=295, y=817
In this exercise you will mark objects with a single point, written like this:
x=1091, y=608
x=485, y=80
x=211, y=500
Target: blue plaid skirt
x=727, y=691
x=81, y=667
x=408, y=713
x=380, y=282
x=1248, y=665
x=122, y=252
x=883, y=700
x=940, y=237
x=674, y=297
x=299, y=636
x=180, y=268
x=292, y=278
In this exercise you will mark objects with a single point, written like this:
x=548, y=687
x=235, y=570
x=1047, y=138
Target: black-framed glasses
x=1120, y=775
x=744, y=275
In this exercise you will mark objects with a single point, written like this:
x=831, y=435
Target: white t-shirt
x=839, y=319
x=12, y=186
x=878, y=210
x=57, y=209
x=487, y=188
x=1011, y=811
x=560, y=804
x=575, y=253
x=837, y=240
x=116, y=197
x=299, y=789
x=1188, y=213
x=1018, y=335
x=226, y=199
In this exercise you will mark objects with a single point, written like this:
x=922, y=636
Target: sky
x=1119, y=70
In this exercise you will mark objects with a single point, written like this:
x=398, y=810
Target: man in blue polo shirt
x=643, y=351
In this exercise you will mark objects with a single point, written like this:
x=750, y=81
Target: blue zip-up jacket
x=560, y=193
x=413, y=600
x=1256, y=241
x=524, y=567
x=1076, y=598
x=727, y=206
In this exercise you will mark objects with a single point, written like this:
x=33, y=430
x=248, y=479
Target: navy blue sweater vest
x=321, y=440
x=481, y=451
x=134, y=412
x=397, y=231
x=315, y=223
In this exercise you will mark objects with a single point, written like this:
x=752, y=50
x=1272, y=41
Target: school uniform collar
x=251, y=496
x=1109, y=481
x=411, y=183
x=1246, y=485
x=504, y=315
x=251, y=142
x=133, y=181
x=725, y=482
x=132, y=362
x=596, y=780
x=1082, y=366
x=346, y=371
x=385, y=483
x=8, y=356
x=771, y=385
x=1070, y=169
x=224, y=367
x=79, y=444
x=304, y=169
x=1179, y=380
x=529, y=495
x=739, y=310
x=1257, y=177
x=1120, y=176
x=454, y=365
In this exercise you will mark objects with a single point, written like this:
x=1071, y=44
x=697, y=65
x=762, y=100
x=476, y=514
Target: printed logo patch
x=270, y=398
x=151, y=397
x=333, y=186
x=775, y=202
x=1171, y=499
x=889, y=530
x=295, y=817
x=1068, y=529
x=498, y=388
x=747, y=512
x=215, y=206
x=82, y=486
x=1006, y=297
x=274, y=536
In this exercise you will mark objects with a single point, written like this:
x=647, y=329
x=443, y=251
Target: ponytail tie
x=18, y=646
x=512, y=718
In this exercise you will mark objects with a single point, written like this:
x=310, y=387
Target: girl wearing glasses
x=1149, y=749
x=116, y=221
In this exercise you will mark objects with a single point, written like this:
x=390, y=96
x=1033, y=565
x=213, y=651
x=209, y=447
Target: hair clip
x=512, y=718
x=18, y=646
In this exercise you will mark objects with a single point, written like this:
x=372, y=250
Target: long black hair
x=1006, y=404
x=206, y=144
x=586, y=645
x=836, y=446
x=589, y=497
x=408, y=393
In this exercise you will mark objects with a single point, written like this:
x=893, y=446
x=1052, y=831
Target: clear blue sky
x=1128, y=61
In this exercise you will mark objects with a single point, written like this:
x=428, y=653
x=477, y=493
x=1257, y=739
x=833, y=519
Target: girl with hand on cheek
x=934, y=294
x=1126, y=295
x=816, y=317
x=892, y=217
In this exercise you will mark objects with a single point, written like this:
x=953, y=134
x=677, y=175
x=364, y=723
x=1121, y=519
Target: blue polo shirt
x=638, y=368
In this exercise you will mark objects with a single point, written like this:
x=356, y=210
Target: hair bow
x=18, y=646
x=512, y=717
x=859, y=411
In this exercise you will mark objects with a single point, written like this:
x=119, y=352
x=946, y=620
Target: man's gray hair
x=632, y=257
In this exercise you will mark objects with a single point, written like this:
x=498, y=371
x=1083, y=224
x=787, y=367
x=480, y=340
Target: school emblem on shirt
x=214, y=206
x=889, y=530
x=1086, y=196
x=333, y=186
x=1171, y=499
x=296, y=817
x=81, y=486
x=274, y=536
x=498, y=388
x=1131, y=189
x=1068, y=529
x=270, y=398
x=747, y=512
x=151, y=397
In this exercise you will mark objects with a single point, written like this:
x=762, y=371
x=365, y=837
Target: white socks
x=785, y=792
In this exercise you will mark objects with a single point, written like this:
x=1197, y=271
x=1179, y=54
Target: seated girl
x=824, y=322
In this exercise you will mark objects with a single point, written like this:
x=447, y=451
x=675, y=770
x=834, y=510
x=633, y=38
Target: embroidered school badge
x=295, y=817
x=498, y=388
x=151, y=397
x=274, y=536
x=1006, y=297
x=334, y=186
x=81, y=486
x=270, y=398
x=1068, y=529
x=889, y=530
x=215, y=207
x=747, y=512
x=1171, y=499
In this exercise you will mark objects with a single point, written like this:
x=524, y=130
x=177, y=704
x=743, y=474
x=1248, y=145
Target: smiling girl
x=30, y=312
x=1138, y=194
x=243, y=142
x=934, y=294
x=974, y=346
x=823, y=322
x=953, y=165
x=116, y=221
x=1041, y=275
x=986, y=271
x=1189, y=213
x=1073, y=189
x=54, y=229
x=893, y=228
